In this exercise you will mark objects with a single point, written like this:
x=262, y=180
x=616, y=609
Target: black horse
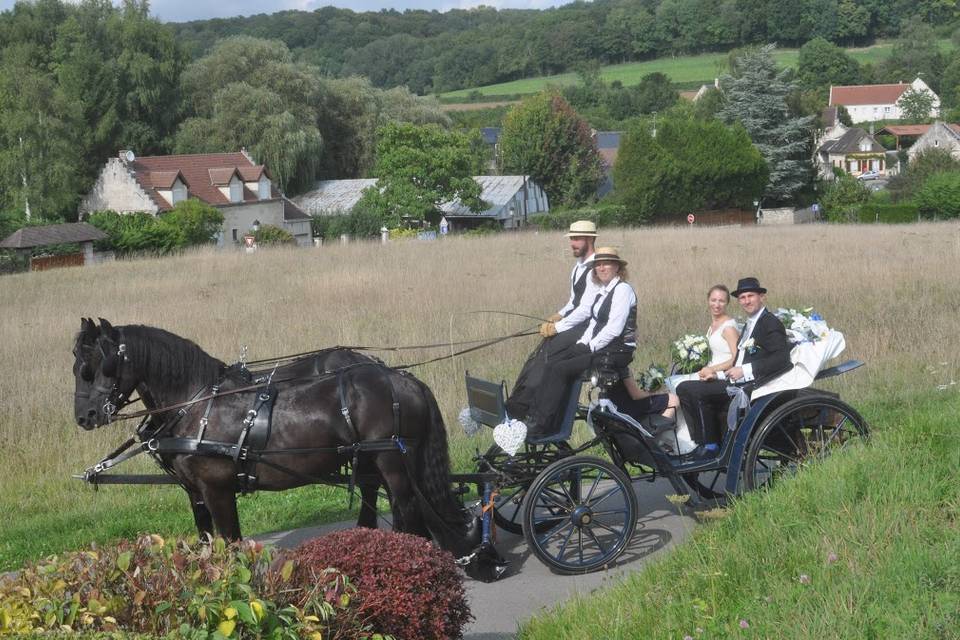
x=335, y=398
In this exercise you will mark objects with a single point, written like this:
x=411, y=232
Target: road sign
x=690, y=218
x=444, y=226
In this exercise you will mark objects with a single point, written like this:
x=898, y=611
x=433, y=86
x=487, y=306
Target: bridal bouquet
x=803, y=325
x=652, y=378
x=690, y=353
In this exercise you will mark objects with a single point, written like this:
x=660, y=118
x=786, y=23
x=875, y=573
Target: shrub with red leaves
x=406, y=586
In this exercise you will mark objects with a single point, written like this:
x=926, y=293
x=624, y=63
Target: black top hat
x=747, y=284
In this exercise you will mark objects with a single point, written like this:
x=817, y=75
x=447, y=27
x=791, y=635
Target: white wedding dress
x=719, y=352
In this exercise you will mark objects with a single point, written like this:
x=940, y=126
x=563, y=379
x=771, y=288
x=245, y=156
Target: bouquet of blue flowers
x=802, y=325
x=652, y=378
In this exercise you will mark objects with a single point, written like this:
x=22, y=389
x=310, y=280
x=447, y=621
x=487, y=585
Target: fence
x=43, y=263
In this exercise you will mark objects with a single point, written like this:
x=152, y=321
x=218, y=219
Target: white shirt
x=623, y=299
x=575, y=315
x=744, y=337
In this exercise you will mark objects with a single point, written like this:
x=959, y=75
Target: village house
x=854, y=152
x=874, y=102
x=510, y=200
x=232, y=182
x=939, y=135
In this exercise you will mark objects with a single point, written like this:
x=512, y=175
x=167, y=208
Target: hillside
x=435, y=52
x=684, y=71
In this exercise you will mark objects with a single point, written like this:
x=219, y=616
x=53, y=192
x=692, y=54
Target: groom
x=763, y=353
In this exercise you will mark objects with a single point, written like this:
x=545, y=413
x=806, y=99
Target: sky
x=184, y=10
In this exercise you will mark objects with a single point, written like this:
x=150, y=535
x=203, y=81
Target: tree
x=915, y=54
x=248, y=93
x=690, y=164
x=78, y=82
x=756, y=96
x=543, y=137
x=655, y=92
x=916, y=105
x=419, y=168
x=925, y=164
x=821, y=64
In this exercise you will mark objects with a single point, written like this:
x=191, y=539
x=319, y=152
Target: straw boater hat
x=582, y=228
x=608, y=254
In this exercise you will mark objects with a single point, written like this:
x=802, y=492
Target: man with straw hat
x=564, y=327
x=610, y=333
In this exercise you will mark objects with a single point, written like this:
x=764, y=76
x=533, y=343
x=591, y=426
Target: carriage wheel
x=802, y=431
x=579, y=514
x=521, y=469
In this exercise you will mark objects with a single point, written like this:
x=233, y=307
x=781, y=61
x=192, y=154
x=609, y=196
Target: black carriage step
x=843, y=367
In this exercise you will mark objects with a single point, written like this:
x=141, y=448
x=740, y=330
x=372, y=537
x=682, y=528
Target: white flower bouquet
x=690, y=353
x=652, y=378
x=803, y=325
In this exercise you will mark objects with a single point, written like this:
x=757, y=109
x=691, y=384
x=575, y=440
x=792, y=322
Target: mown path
x=530, y=586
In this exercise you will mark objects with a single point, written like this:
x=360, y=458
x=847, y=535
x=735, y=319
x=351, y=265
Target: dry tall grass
x=893, y=291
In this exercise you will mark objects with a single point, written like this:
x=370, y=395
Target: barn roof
x=29, y=237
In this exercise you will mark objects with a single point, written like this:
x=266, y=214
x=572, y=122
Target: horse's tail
x=433, y=477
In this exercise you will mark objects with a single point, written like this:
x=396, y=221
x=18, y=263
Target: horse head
x=102, y=383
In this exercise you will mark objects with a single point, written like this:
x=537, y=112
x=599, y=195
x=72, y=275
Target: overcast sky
x=183, y=10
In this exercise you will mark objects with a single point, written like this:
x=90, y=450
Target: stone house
x=510, y=201
x=939, y=135
x=232, y=182
x=874, y=102
x=855, y=152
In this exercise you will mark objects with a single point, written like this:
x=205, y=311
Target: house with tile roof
x=873, y=102
x=855, y=152
x=232, y=182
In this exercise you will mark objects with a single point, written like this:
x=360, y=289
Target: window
x=236, y=190
x=233, y=232
x=264, y=188
x=179, y=192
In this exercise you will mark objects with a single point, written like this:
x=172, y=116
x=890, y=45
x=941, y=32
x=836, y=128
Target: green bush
x=604, y=215
x=842, y=199
x=273, y=235
x=179, y=590
x=189, y=223
x=359, y=223
x=939, y=196
x=887, y=213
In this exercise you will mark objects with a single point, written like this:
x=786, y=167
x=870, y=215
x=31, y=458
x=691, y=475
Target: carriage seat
x=488, y=405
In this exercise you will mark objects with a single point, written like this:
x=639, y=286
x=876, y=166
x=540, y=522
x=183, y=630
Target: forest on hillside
x=430, y=51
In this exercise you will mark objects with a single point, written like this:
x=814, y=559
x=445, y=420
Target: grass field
x=892, y=290
x=683, y=70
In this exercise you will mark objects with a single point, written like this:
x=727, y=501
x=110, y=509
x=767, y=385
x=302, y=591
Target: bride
x=722, y=335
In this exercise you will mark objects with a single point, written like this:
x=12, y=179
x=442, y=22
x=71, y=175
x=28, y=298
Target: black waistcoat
x=579, y=286
x=602, y=315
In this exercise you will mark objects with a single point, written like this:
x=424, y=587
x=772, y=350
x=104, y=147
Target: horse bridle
x=115, y=398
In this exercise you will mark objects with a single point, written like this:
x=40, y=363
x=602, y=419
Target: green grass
x=48, y=523
x=682, y=70
x=889, y=513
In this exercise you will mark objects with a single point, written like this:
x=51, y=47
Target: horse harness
x=251, y=447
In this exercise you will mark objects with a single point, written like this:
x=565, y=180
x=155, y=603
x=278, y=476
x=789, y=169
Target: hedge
x=888, y=213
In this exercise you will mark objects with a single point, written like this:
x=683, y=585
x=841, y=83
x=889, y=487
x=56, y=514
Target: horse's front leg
x=222, y=503
x=201, y=515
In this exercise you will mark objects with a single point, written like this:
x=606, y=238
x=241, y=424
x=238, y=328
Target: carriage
x=575, y=502
x=337, y=416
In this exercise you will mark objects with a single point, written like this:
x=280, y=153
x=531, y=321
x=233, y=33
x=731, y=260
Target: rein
x=323, y=374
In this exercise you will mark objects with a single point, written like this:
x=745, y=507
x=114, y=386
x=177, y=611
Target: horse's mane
x=174, y=360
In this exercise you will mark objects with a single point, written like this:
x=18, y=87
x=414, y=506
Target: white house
x=509, y=199
x=232, y=182
x=873, y=102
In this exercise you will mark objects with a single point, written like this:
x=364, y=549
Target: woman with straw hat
x=610, y=332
